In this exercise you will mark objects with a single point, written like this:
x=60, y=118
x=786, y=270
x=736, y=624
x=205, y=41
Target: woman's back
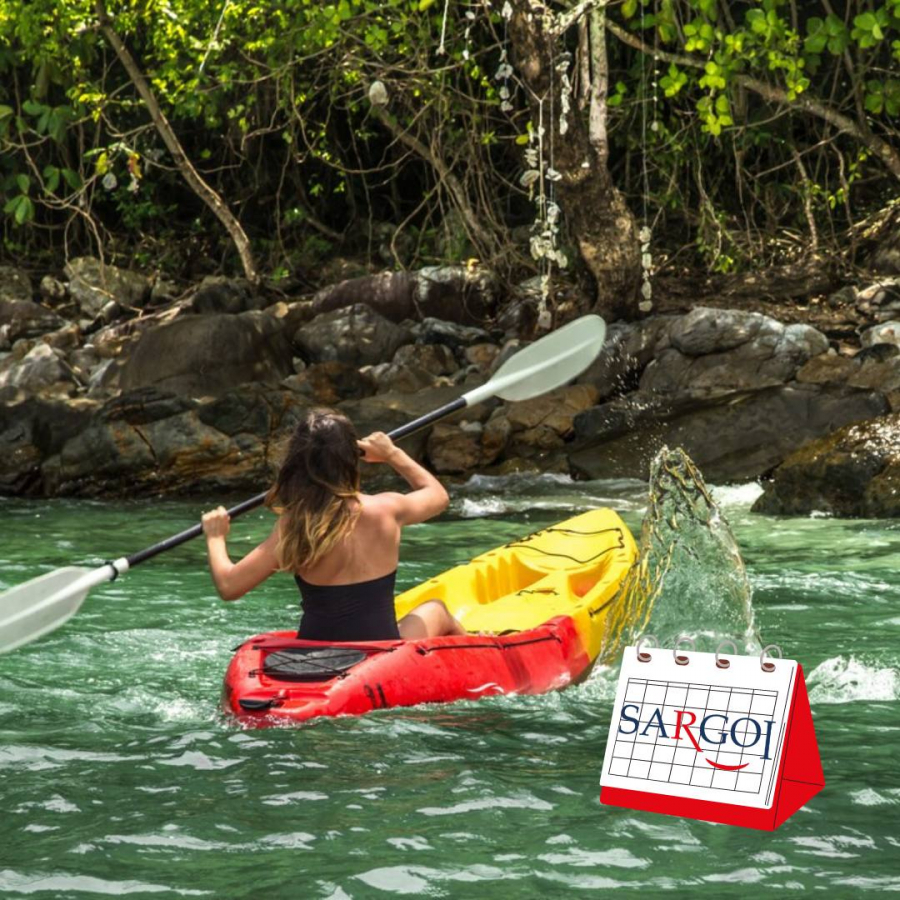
x=370, y=550
x=348, y=595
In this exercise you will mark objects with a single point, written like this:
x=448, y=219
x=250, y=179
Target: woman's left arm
x=233, y=580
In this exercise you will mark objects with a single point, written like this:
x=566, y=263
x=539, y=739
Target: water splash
x=690, y=579
x=843, y=680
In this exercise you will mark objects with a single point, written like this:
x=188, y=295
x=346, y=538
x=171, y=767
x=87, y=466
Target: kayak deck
x=570, y=569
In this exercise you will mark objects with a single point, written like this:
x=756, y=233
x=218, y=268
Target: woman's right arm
x=428, y=496
x=233, y=580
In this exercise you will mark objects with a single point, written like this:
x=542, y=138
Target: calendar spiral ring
x=768, y=666
x=642, y=655
x=724, y=663
x=682, y=639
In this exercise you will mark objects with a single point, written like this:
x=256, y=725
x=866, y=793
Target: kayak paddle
x=42, y=604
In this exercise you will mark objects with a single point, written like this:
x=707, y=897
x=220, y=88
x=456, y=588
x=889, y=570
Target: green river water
x=119, y=776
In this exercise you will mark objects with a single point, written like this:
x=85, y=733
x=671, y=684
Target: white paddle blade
x=548, y=363
x=41, y=605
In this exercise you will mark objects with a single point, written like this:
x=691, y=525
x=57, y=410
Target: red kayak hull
x=403, y=673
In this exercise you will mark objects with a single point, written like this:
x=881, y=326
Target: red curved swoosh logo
x=716, y=765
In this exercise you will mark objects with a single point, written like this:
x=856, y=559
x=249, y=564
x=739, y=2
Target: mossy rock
x=853, y=472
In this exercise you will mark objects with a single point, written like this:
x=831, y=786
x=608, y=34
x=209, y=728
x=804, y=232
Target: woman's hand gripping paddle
x=41, y=605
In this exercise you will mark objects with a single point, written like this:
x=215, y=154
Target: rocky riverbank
x=111, y=383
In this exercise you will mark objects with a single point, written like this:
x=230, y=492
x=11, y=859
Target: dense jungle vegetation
x=612, y=138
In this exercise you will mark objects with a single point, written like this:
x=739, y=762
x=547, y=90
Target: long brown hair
x=315, y=489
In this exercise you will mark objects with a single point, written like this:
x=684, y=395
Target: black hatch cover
x=311, y=663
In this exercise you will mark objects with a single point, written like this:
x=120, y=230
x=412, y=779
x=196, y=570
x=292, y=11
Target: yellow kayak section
x=575, y=568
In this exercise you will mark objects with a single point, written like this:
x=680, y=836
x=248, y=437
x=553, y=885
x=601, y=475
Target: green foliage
x=830, y=33
x=883, y=96
x=615, y=98
x=673, y=81
x=273, y=108
x=844, y=60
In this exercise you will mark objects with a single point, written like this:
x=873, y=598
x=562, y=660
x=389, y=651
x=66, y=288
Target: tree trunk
x=597, y=217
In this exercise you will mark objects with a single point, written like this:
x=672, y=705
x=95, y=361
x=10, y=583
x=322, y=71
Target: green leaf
x=10, y=206
x=667, y=33
x=817, y=36
x=756, y=19
x=834, y=25
x=629, y=8
x=875, y=103
x=52, y=181
x=673, y=82
x=72, y=179
x=24, y=211
x=839, y=43
x=24, y=182
x=5, y=111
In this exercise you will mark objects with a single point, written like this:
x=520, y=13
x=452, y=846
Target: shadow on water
x=690, y=579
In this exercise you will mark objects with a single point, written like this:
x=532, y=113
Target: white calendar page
x=698, y=731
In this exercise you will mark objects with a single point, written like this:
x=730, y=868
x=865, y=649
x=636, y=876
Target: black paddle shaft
x=196, y=530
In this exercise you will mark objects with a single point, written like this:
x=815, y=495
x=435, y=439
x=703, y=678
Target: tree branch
x=570, y=17
x=196, y=183
x=882, y=149
x=449, y=179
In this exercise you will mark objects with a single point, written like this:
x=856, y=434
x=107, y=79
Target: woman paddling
x=342, y=546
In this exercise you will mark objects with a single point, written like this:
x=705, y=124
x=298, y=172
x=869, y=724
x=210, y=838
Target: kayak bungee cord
x=523, y=542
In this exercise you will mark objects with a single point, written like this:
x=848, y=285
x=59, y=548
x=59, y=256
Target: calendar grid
x=659, y=758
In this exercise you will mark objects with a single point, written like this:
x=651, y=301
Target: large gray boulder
x=206, y=355
x=853, y=472
x=450, y=334
x=885, y=333
x=416, y=366
x=707, y=330
x=356, y=335
x=727, y=349
x=456, y=293
x=19, y=315
x=153, y=441
x=93, y=285
x=330, y=382
x=732, y=436
x=31, y=429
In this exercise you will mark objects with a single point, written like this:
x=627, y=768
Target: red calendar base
x=791, y=797
x=799, y=779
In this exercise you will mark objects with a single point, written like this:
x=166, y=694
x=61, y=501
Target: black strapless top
x=362, y=611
